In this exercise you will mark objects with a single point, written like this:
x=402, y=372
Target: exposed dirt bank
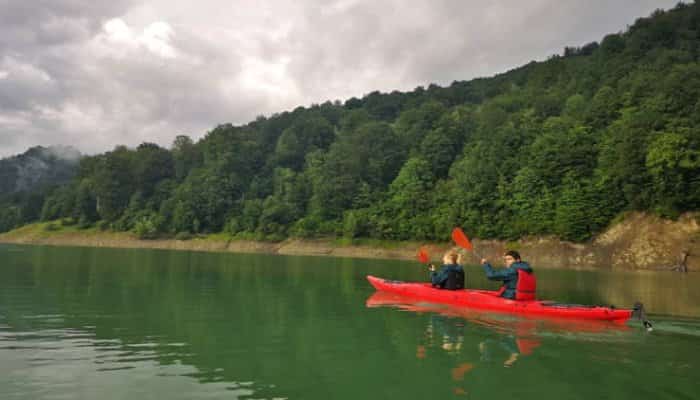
x=639, y=242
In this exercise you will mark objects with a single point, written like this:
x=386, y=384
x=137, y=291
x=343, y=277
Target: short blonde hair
x=453, y=256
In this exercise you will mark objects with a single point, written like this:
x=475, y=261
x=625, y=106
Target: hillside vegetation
x=26, y=180
x=557, y=147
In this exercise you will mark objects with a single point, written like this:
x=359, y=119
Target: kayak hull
x=490, y=300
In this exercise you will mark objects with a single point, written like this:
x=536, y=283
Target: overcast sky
x=95, y=74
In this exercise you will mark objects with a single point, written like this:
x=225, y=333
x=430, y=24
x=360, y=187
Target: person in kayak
x=451, y=275
x=518, y=277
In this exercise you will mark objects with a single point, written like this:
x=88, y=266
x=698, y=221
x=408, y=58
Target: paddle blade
x=423, y=256
x=461, y=239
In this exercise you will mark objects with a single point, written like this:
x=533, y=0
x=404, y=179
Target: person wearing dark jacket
x=451, y=275
x=508, y=275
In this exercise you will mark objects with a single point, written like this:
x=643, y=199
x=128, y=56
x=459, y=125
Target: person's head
x=510, y=257
x=450, y=257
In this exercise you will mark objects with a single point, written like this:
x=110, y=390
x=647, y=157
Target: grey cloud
x=63, y=82
x=419, y=43
x=28, y=25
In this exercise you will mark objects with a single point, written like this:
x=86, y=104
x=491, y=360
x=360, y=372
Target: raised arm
x=498, y=274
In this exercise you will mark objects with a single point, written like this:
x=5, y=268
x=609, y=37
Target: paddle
x=461, y=239
x=423, y=257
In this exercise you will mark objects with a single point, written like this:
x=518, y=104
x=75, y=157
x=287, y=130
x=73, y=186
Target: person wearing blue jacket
x=451, y=275
x=508, y=275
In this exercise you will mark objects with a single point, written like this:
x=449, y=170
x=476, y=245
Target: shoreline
x=639, y=242
x=35, y=234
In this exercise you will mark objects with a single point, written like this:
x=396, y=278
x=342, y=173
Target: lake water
x=81, y=323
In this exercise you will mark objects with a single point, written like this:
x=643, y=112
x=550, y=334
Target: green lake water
x=83, y=323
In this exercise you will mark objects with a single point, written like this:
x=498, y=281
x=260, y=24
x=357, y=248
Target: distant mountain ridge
x=39, y=166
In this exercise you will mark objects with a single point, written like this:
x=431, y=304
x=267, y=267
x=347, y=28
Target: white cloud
x=117, y=30
x=270, y=79
x=156, y=37
x=120, y=40
x=22, y=70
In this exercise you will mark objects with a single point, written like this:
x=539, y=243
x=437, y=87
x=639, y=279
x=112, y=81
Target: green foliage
x=84, y=222
x=306, y=134
x=103, y=225
x=562, y=148
x=306, y=227
x=10, y=218
x=68, y=221
x=186, y=156
x=51, y=227
x=530, y=203
x=152, y=164
x=675, y=169
x=146, y=227
x=59, y=203
x=575, y=217
x=183, y=236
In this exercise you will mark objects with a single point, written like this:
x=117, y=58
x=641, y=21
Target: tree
x=59, y=203
x=186, y=156
x=621, y=161
x=410, y=194
x=574, y=217
x=114, y=183
x=306, y=134
x=475, y=195
x=604, y=108
x=10, y=217
x=152, y=164
x=414, y=124
x=562, y=148
x=675, y=169
x=575, y=107
x=85, y=206
x=530, y=202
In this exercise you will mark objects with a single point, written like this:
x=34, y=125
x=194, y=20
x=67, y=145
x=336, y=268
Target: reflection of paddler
x=420, y=352
x=527, y=346
x=450, y=331
x=514, y=346
x=458, y=376
x=459, y=371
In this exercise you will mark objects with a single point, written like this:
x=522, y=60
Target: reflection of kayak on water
x=521, y=325
x=490, y=301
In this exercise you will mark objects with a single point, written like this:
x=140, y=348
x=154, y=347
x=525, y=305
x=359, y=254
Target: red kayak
x=491, y=301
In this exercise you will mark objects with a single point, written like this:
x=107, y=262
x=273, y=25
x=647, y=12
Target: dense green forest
x=556, y=147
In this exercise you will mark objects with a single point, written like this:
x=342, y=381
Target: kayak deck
x=491, y=301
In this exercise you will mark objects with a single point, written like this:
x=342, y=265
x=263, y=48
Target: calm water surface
x=79, y=323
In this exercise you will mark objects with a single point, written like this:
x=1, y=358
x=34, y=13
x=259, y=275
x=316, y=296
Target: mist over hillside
x=39, y=166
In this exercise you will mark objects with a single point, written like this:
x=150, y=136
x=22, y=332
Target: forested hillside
x=26, y=179
x=556, y=147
